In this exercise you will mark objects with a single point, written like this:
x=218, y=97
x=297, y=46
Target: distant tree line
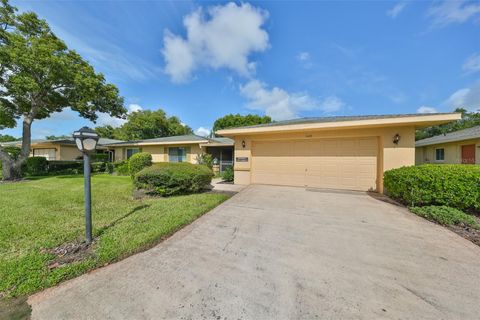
x=469, y=119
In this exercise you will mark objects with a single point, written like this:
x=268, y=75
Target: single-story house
x=184, y=148
x=62, y=149
x=347, y=152
x=461, y=146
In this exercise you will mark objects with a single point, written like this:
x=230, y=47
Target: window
x=177, y=154
x=132, y=151
x=48, y=154
x=439, y=154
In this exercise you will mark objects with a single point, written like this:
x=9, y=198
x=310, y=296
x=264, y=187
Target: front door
x=468, y=154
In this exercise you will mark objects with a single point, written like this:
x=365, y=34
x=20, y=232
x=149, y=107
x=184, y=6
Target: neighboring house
x=62, y=149
x=333, y=152
x=177, y=149
x=461, y=146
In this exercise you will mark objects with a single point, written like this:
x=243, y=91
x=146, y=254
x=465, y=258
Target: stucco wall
x=453, y=152
x=390, y=155
x=68, y=153
x=160, y=152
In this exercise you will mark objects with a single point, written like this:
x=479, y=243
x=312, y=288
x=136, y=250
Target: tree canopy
x=145, y=124
x=237, y=120
x=39, y=75
x=7, y=138
x=469, y=119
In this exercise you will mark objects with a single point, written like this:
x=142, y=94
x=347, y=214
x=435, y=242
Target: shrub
x=205, y=159
x=98, y=167
x=446, y=216
x=138, y=162
x=456, y=186
x=36, y=166
x=228, y=174
x=109, y=167
x=99, y=157
x=121, y=167
x=167, y=179
x=65, y=167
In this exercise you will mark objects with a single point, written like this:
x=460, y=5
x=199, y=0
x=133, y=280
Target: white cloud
x=472, y=64
x=396, y=10
x=204, y=132
x=331, y=104
x=282, y=105
x=303, y=56
x=106, y=119
x=426, y=109
x=456, y=11
x=468, y=98
x=222, y=38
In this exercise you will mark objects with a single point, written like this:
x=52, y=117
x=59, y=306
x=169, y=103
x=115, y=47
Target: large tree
x=7, y=138
x=469, y=119
x=237, y=120
x=146, y=124
x=39, y=75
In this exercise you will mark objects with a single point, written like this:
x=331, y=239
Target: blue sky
x=202, y=60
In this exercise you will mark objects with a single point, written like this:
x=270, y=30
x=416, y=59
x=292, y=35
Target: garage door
x=349, y=164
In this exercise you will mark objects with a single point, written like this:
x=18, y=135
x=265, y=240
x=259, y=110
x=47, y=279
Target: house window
x=132, y=151
x=177, y=154
x=48, y=154
x=440, y=154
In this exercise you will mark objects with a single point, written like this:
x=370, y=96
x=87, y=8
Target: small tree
x=39, y=75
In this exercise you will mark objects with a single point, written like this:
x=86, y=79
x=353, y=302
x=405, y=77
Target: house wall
x=390, y=155
x=160, y=152
x=68, y=153
x=453, y=152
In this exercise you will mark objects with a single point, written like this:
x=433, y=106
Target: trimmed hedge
x=446, y=216
x=36, y=166
x=167, y=179
x=228, y=174
x=121, y=167
x=58, y=167
x=138, y=162
x=452, y=185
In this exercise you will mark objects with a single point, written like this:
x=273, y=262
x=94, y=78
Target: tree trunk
x=12, y=168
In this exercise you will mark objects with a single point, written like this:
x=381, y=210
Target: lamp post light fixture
x=86, y=140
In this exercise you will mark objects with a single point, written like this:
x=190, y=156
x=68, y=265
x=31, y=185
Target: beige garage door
x=349, y=164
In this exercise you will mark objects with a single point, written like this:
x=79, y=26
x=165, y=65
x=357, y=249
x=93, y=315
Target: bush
x=138, y=162
x=446, y=216
x=205, y=159
x=98, y=167
x=99, y=157
x=36, y=166
x=228, y=174
x=456, y=186
x=167, y=179
x=121, y=168
x=65, y=167
x=109, y=167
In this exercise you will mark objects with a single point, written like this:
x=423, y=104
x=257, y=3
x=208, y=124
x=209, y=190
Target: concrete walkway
x=285, y=253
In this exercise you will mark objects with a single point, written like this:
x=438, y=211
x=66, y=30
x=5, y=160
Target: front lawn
x=42, y=219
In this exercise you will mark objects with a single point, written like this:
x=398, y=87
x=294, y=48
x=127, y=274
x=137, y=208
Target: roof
x=190, y=139
x=101, y=141
x=346, y=121
x=465, y=134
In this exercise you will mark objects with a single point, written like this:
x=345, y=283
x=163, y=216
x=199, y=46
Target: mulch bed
x=68, y=253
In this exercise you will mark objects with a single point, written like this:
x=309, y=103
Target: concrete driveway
x=285, y=253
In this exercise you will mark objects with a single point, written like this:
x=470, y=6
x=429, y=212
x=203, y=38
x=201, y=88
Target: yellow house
x=62, y=149
x=349, y=153
x=455, y=147
x=184, y=148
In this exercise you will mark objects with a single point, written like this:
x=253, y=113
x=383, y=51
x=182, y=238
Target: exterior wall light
x=396, y=139
x=243, y=144
x=86, y=140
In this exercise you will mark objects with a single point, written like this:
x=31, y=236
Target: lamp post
x=86, y=140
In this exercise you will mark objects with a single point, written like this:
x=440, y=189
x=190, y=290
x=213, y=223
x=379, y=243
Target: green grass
x=47, y=212
x=446, y=216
